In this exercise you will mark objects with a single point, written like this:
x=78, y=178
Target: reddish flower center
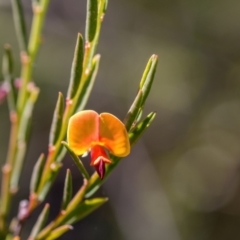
x=99, y=158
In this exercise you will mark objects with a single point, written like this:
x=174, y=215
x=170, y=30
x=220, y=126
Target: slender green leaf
x=136, y=109
x=7, y=70
x=57, y=120
x=20, y=25
x=72, y=206
x=85, y=208
x=148, y=76
x=37, y=173
x=88, y=84
x=67, y=191
x=133, y=111
x=77, y=68
x=92, y=17
x=105, y=6
x=56, y=233
x=40, y=8
x=27, y=113
x=77, y=199
x=7, y=64
x=137, y=132
x=61, y=153
x=55, y=167
x=139, y=115
x=63, y=217
x=40, y=222
x=77, y=161
x=94, y=21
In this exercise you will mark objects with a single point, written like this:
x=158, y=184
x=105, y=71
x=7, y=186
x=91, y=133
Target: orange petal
x=114, y=135
x=83, y=130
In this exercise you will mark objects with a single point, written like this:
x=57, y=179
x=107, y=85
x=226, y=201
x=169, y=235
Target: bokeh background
x=182, y=179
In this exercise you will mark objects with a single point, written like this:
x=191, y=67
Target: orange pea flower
x=98, y=133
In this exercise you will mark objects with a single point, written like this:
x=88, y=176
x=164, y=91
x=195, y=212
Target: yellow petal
x=113, y=134
x=83, y=130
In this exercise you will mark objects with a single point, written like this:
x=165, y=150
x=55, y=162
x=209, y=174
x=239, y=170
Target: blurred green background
x=181, y=180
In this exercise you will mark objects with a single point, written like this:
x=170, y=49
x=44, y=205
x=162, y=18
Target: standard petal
x=83, y=131
x=113, y=134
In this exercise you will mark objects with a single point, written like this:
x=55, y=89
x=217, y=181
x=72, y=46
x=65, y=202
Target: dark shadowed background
x=181, y=181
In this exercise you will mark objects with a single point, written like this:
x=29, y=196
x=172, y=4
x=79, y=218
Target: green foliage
x=92, y=18
x=7, y=70
x=77, y=161
x=77, y=68
x=67, y=191
x=20, y=24
x=37, y=172
x=85, y=64
x=58, y=232
x=148, y=77
x=41, y=221
x=57, y=120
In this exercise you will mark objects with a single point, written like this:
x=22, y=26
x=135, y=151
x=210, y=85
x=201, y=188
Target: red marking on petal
x=99, y=158
x=98, y=153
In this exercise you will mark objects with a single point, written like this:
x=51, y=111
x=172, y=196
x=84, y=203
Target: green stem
x=71, y=105
x=28, y=56
x=53, y=151
x=6, y=172
x=39, y=11
x=26, y=73
x=5, y=191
